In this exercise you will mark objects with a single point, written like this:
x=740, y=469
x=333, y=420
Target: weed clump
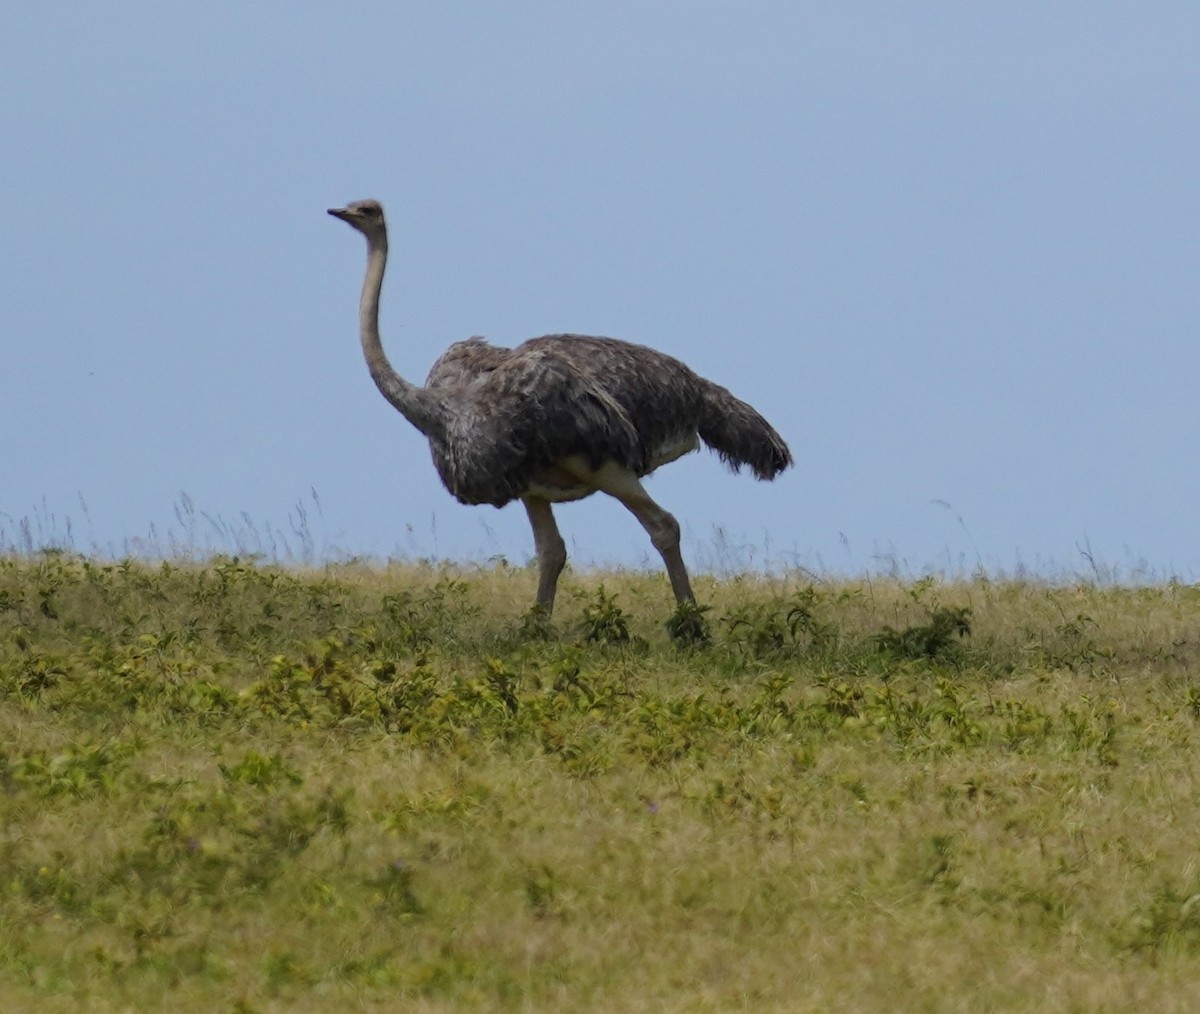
x=603, y=621
x=687, y=625
x=937, y=637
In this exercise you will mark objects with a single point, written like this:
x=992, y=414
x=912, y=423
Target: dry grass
x=230, y=787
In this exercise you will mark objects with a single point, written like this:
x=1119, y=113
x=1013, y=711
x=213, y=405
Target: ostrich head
x=365, y=216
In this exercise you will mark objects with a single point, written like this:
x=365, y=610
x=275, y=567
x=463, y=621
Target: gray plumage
x=560, y=417
x=515, y=412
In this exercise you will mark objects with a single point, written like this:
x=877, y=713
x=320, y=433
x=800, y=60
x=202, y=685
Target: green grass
x=247, y=788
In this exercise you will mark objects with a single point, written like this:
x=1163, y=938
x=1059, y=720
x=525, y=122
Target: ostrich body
x=559, y=418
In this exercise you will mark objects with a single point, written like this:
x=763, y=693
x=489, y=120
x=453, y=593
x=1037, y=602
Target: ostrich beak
x=342, y=213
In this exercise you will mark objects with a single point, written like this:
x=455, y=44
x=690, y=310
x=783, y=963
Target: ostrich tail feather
x=741, y=436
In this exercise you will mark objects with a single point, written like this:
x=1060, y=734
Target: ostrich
x=559, y=418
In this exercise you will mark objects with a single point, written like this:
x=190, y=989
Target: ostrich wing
x=525, y=409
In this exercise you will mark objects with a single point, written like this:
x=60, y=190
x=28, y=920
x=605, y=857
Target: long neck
x=419, y=406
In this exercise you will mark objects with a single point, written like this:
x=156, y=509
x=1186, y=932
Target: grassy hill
x=239, y=787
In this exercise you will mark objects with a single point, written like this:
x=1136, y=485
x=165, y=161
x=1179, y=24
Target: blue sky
x=950, y=250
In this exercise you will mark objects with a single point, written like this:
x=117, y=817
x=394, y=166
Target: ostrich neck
x=419, y=406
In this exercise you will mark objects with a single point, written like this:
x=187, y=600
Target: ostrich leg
x=664, y=533
x=659, y=523
x=551, y=550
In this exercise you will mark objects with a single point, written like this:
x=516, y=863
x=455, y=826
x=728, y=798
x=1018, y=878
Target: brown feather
x=516, y=412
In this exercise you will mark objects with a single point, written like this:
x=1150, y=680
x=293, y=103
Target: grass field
x=236, y=787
